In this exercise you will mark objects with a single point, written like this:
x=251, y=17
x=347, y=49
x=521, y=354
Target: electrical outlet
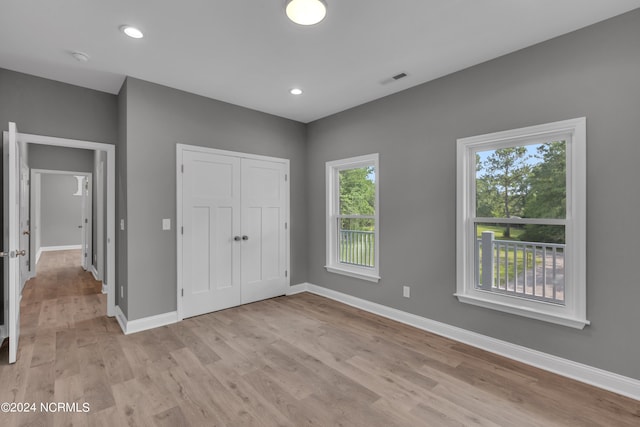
x=406, y=291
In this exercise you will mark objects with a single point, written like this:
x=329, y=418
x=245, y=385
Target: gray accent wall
x=593, y=72
x=61, y=211
x=157, y=118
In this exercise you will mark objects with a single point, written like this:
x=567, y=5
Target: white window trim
x=332, y=195
x=573, y=313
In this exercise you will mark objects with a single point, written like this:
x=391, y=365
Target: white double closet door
x=233, y=245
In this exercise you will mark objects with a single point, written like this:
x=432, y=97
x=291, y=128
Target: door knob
x=236, y=238
x=245, y=237
x=21, y=253
x=26, y=232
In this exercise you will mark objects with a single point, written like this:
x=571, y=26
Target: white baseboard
x=38, y=255
x=122, y=319
x=59, y=248
x=296, y=289
x=139, y=325
x=616, y=383
x=94, y=273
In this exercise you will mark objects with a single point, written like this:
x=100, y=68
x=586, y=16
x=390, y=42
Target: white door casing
x=11, y=227
x=223, y=197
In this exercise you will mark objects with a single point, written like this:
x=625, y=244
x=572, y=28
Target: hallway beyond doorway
x=59, y=275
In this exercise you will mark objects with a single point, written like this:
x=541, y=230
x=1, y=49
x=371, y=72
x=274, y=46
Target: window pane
x=526, y=181
x=523, y=260
x=357, y=191
x=356, y=240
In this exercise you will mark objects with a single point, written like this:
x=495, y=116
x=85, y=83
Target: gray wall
x=592, y=72
x=121, y=202
x=157, y=118
x=45, y=107
x=60, y=158
x=61, y=211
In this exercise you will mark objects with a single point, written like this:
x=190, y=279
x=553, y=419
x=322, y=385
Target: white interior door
x=264, y=217
x=87, y=223
x=211, y=234
x=25, y=225
x=99, y=255
x=11, y=227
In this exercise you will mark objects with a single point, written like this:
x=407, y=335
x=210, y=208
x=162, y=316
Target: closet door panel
x=211, y=211
x=263, y=225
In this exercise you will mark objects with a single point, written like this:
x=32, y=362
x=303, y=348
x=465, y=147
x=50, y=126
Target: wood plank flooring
x=291, y=361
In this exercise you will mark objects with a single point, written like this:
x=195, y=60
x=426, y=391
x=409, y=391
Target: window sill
x=564, y=320
x=371, y=277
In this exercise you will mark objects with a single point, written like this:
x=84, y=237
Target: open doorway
x=18, y=223
x=62, y=217
x=71, y=204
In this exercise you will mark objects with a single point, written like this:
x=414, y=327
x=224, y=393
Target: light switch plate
x=166, y=224
x=406, y=291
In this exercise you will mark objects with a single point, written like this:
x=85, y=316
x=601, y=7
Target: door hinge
x=85, y=254
x=86, y=220
x=182, y=292
x=182, y=168
x=285, y=225
x=286, y=273
x=181, y=230
x=286, y=177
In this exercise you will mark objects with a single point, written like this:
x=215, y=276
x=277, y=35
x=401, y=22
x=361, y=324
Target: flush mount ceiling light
x=295, y=91
x=132, y=32
x=306, y=12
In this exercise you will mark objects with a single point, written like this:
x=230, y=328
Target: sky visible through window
x=532, y=159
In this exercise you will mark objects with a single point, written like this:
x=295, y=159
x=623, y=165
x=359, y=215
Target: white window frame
x=333, y=263
x=573, y=313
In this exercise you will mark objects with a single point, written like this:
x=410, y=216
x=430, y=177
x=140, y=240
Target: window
x=521, y=223
x=352, y=217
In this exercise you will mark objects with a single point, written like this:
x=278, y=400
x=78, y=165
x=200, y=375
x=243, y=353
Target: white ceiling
x=248, y=53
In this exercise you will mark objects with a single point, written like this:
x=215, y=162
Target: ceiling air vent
x=394, y=78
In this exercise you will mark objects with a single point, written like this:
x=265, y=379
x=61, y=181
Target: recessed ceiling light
x=306, y=12
x=80, y=56
x=132, y=32
x=295, y=91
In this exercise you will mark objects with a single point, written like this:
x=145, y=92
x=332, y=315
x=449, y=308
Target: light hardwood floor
x=291, y=361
